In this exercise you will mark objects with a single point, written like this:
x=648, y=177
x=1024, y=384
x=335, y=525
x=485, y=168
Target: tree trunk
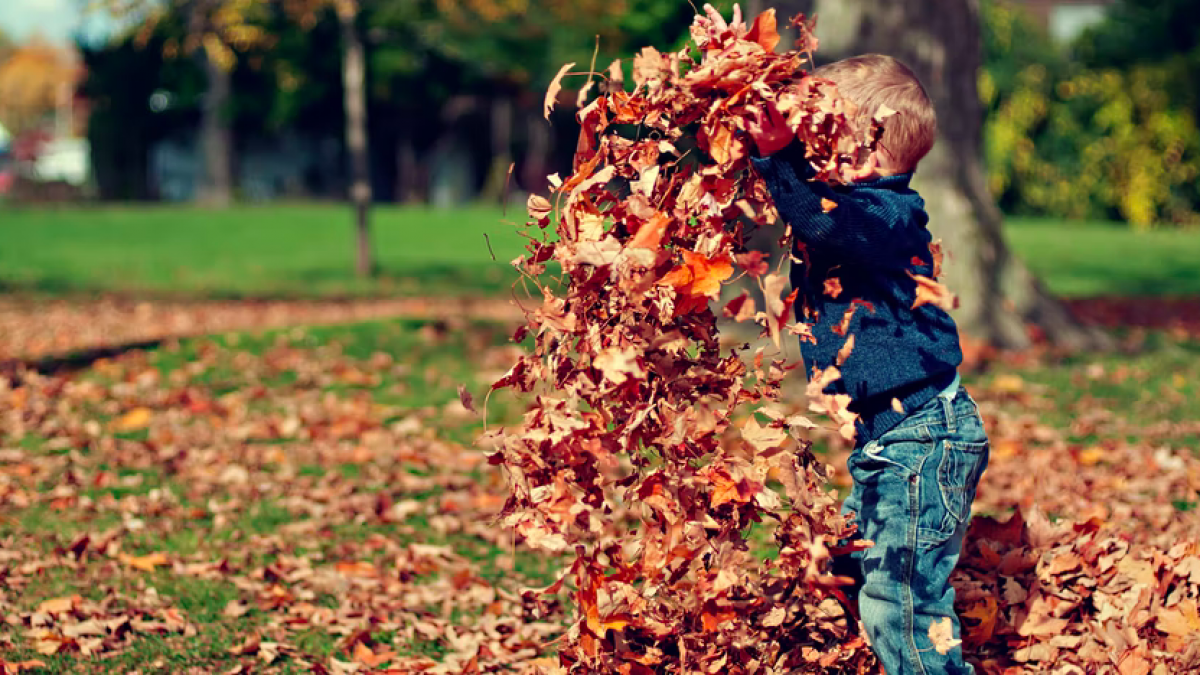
x=537, y=155
x=216, y=128
x=501, y=141
x=408, y=180
x=353, y=83
x=940, y=40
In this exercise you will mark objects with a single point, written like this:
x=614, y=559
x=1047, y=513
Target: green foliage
x=1097, y=137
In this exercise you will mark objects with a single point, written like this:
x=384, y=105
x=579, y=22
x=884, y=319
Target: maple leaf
x=833, y=287
x=700, y=277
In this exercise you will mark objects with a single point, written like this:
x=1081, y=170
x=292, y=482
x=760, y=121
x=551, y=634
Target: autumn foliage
x=633, y=454
x=649, y=452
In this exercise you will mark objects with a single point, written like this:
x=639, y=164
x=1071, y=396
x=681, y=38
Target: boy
x=921, y=446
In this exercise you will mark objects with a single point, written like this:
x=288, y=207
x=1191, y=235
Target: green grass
x=307, y=250
x=1096, y=258
x=255, y=250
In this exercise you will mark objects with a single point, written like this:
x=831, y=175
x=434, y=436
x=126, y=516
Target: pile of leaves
x=649, y=452
x=631, y=454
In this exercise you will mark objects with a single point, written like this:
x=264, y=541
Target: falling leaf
x=539, y=207
x=465, y=397
x=930, y=292
x=618, y=365
x=763, y=31
x=554, y=88
x=828, y=205
x=941, y=634
x=754, y=262
x=650, y=234
x=844, y=352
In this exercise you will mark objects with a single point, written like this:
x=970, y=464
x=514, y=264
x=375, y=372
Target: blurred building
x=1066, y=19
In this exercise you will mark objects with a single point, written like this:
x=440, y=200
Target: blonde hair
x=875, y=81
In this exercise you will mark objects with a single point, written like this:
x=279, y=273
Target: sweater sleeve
x=866, y=227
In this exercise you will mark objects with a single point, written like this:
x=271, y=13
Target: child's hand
x=708, y=30
x=769, y=129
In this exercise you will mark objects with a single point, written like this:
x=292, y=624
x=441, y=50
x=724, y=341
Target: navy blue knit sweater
x=869, y=242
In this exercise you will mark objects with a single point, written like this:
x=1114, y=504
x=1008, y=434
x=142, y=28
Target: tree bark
x=355, y=101
x=941, y=41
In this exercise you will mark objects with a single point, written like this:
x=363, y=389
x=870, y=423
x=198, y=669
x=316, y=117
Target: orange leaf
x=650, y=234
x=364, y=655
x=361, y=569
x=833, y=287
x=765, y=30
x=146, y=563
x=1181, y=620
x=828, y=205
x=59, y=605
x=138, y=418
x=985, y=613
x=844, y=352
x=713, y=620
x=930, y=292
x=554, y=88
x=698, y=279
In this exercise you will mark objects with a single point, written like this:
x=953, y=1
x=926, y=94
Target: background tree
x=941, y=40
x=34, y=80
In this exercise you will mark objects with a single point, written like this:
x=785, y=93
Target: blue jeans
x=913, y=488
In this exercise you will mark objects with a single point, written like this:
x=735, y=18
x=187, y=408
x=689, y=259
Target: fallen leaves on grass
x=309, y=512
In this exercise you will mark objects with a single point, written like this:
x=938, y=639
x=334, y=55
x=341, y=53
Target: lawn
x=317, y=496
x=291, y=250
x=316, y=499
x=306, y=250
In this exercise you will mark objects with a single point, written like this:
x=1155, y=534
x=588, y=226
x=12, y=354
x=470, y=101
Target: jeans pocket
x=958, y=475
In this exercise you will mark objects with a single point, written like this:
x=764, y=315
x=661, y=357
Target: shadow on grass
x=71, y=362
